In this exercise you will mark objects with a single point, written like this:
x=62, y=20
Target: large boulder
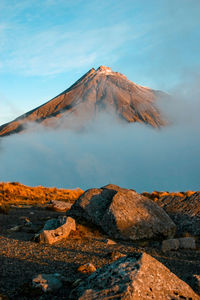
x=123, y=214
x=138, y=277
x=184, y=209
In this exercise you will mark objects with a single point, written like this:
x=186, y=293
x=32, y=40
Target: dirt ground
x=21, y=258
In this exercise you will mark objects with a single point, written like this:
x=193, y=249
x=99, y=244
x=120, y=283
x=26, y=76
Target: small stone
x=170, y=244
x=187, y=243
x=110, y=242
x=15, y=228
x=59, y=206
x=76, y=282
x=116, y=255
x=27, y=222
x=56, y=229
x=86, y=268
x=48, y=282
x=181, y=243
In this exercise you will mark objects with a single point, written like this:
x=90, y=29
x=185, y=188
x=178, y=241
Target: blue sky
x=46, y=45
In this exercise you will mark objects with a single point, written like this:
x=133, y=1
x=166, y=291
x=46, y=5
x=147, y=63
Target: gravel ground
x=21, y=258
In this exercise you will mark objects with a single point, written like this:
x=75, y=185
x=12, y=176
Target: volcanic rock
x=110, y=242
x=170, y=244
x=190, y=205
x=187, y=243
x=137, y=277
x=181, y=243
x=56, y=230
x=96, y=91
x=86, y=268
x=116, y=255
x=184, y=211
x=59, y=206
x=123, y=214
x=48, y=282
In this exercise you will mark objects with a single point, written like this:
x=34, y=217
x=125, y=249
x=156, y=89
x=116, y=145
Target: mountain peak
x=104, y=69
x=93, y=92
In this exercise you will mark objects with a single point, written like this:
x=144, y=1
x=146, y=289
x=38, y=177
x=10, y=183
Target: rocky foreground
x=107, y=243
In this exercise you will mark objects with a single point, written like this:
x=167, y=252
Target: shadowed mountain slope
x=98, y=90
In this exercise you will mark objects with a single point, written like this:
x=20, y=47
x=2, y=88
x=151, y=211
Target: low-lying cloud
x=106, y=151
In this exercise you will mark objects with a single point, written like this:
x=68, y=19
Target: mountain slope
x=97, y=90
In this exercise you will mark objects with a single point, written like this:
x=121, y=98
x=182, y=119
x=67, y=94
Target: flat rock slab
x=123, y=214
x=137, y=277
x=59, y=206
x=57, y=229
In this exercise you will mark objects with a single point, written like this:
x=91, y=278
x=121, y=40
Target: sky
x=46, y=45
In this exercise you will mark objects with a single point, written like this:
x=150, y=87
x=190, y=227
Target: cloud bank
x=106, y=151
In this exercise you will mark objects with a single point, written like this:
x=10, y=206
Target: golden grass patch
x=18, y=194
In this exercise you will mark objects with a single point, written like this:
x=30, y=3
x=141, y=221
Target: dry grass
x=15, y=193
x=177, y=194
x=189, y=193
x=155, y=196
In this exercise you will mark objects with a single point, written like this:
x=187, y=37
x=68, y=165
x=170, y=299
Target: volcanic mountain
x=97, y=90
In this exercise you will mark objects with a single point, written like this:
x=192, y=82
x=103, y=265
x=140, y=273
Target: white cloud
x=131, y=155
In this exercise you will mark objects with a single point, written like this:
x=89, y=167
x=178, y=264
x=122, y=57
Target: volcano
x=97, y=90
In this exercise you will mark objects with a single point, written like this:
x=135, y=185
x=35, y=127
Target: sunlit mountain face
x=96, y=91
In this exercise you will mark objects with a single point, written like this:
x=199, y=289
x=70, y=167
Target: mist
x=108, y=151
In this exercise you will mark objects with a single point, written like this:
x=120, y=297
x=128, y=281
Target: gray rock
x=56, y=230
x=187, y=243
x=184, y=210
x=137, y=277
x=181, y=243
x=48, y=282
x=170, y=244
x=59, y=206
x=123, y=214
